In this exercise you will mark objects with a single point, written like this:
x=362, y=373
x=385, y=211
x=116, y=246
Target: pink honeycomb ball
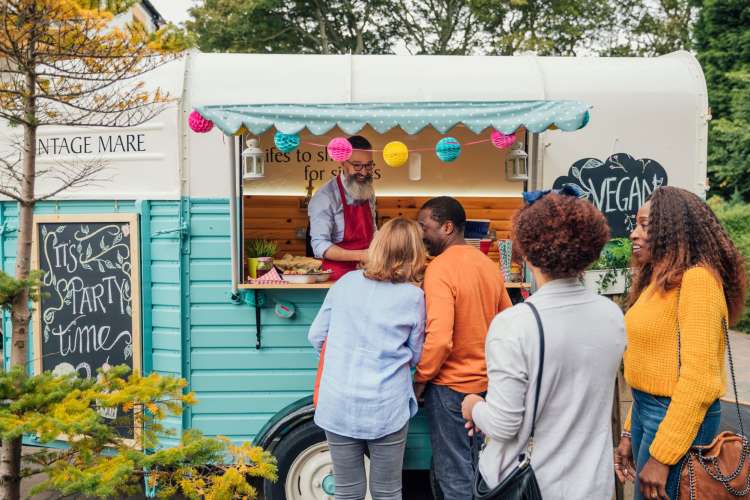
x=339, y=149
x=199, y=124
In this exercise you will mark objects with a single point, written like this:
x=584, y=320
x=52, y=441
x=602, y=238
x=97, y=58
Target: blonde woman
x=372, y=322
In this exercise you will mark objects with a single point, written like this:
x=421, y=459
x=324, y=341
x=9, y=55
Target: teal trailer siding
x=192, y=329
x=160, y=284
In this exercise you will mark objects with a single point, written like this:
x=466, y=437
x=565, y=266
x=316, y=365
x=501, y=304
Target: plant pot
x=258, y=266
x=606, y=281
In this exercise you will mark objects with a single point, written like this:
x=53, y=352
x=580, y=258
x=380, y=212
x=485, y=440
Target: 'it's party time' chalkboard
x=89, y=316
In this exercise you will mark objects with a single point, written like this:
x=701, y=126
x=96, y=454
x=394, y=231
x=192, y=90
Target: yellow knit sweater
x=651, y=356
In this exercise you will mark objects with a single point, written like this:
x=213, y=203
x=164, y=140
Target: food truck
x=161, y=242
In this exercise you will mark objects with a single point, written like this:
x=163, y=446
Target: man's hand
x=624, y=466
x=419, y=390
x=653, y=480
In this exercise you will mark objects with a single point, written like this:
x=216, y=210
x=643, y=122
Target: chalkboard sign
x=89, y=315
x=617, y=186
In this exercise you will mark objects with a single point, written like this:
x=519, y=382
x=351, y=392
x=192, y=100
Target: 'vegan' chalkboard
x=89, y=314
x=617, y=186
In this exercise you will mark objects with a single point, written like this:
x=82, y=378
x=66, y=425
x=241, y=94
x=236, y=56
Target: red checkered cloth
x=270, y=278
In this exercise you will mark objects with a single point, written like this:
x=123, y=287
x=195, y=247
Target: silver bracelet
x=626, y=434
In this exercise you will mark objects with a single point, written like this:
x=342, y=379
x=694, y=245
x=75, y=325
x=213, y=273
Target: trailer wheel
x=305, y=466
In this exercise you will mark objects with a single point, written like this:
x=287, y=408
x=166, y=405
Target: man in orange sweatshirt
x=464, y=291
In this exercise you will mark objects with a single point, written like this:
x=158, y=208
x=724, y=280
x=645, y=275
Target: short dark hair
x=359, y=142
x=561, y=235
x=445, y=208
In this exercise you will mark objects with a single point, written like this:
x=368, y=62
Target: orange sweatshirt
x=464, y=291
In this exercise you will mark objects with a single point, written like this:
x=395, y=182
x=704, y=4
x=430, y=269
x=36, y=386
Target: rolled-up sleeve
x=501, y=416
x=320, y=211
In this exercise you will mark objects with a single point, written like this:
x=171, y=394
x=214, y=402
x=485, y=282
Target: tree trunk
x=10, y=460
x=10, y=454
x=20, y=313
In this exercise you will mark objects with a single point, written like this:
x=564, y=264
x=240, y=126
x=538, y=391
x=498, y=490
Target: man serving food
x=342, y=213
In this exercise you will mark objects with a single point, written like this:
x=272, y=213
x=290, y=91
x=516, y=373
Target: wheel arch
x=284, y=421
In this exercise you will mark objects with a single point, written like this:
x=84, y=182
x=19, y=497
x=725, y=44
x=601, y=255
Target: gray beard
x=359, y=191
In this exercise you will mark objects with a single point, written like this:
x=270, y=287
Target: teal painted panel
x=210, y=248
x=164, y=209
x=165, y=272
x=238, y=425
x=164, y=249
x=166, y=339
x=210, y=293
x=299, y=297
x=236, y=336
x=159, y=224
x=167, y=361
x=209, y=225
x=255, y=359
x=245, y=402
x=245, y=315
x=9, y=247
x=165, y=294
x=210, y=270
x=168, y=317
x=249, y=380
x=213, y=206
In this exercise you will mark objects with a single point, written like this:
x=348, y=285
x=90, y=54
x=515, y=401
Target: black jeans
x=451, y=446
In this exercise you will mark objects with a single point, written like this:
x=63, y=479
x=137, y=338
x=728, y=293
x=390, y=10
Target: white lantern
x=516, y=163
x=253, y=161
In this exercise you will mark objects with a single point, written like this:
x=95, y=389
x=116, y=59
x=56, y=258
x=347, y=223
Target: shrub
x=735, y=217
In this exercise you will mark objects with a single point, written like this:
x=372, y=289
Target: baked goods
x=291, y=264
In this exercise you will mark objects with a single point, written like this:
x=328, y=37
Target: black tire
x=290, y=446
x=437, y=493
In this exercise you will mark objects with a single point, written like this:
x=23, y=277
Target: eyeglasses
x=369, y=166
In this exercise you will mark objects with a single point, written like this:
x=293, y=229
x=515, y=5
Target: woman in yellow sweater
x=690, y=280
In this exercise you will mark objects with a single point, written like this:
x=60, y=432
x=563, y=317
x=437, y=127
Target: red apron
x=358, y=233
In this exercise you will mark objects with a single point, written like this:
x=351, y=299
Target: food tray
x=299, y=278
x=319, y=277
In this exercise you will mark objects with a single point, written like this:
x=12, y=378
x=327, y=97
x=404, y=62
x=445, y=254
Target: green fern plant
x=260, y=248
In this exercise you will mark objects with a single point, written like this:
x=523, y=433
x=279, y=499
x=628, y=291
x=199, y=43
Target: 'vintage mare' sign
x=89, y=313
x=617, y=186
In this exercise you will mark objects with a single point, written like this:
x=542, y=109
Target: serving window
x=274, y=208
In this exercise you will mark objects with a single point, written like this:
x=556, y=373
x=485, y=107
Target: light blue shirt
x=375, y=332
x=326, y=214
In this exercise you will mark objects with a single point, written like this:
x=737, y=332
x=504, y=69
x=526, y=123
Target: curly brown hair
x=684, y=232
x=561, y=235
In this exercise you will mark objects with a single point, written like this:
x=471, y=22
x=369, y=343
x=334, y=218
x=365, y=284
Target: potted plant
x=610, y=273
x=259, y=254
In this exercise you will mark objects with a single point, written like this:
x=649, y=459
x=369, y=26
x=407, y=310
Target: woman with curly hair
x=689, y=285
x=559, y=236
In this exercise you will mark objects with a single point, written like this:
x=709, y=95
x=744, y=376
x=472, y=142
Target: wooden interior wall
x=284, y=219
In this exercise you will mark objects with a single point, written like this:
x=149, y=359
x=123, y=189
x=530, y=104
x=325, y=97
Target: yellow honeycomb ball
x=395, y=154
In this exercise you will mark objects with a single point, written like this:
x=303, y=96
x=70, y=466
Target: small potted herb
x=610, y=273
x=259, y=254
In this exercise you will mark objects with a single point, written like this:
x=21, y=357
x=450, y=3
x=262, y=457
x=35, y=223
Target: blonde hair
x=397, y=253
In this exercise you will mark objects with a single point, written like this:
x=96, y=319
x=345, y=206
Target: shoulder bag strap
x=541, y=367
x=725, y=331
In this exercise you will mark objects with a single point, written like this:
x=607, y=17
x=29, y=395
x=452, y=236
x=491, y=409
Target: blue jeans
x=648, y=412
x=451, y=447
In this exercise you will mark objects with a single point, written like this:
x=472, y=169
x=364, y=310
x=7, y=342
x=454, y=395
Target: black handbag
x=521, y=484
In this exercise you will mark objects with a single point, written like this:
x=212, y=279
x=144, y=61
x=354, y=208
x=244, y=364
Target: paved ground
x=416, y=486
